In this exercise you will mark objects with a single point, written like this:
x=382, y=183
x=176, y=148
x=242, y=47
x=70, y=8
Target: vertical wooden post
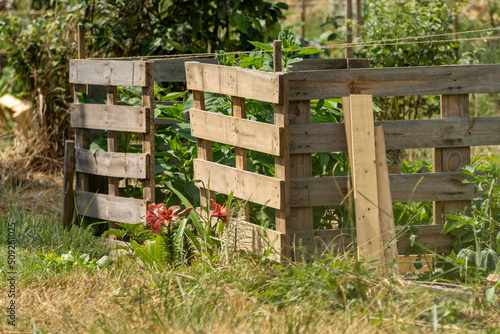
x=451, y=159
x=300, y=166
x=303, y=18
x=385, y=199
x=359, y=18
x=82, y=54
x=241, y=153
x=68, y=193
x=282, y=162
x=204, y=148
x=113, y=189
x=361, y=143
x=148, y=143
x=348, y=18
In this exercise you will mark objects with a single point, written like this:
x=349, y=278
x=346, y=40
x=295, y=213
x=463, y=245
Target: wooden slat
x=148, y=141
x=386, y=214
x=234, y=131
x=204, y=149
x=109, y=117
x=172, y=70
x=319, y=64
x=362, y=158
x=256, y=188
x=112, y=164
x=234, y=81
x=337, y=241
x=282, y=163
x=241, y=153
x=425, y=133
x=431, y=187
x=300, y=166
x=453, y=107
x=107, y=72
x=111, y=208
x=395, y=81
x=255, y=238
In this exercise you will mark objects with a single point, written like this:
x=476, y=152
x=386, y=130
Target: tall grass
x=42, y=230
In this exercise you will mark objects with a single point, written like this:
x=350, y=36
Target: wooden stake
x=68, y=192
x=277, y=60
x=359, y=119
x=241, y=153
x=204, y=148
x=451, y=159
x=348, y=17
x=148, y=144
x=282, y=162
x=384, y=199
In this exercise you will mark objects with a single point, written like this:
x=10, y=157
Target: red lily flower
x=157, y=214
x=219, y=211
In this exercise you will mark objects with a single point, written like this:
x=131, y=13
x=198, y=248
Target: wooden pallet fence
x=113, y=118
x=299, y=138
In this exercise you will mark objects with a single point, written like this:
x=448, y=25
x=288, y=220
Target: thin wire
x=385, y=42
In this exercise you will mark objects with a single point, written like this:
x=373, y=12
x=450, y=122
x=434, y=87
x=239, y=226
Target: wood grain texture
x=107, y=72
x=397, y=81
x=404, y=188
x=204, y=149
x=111, y=208
x=337, y=241
x=253, y=187
x=234, y=131
x=255, y=238
x=234, y=81
x=282, y=169
x=300, y=165
x=109, y=117
x=362, y=158
x=240, y=153
x=425, y=133
x=386, y=213
x=112, y=164
x=148, y=142
x=453, y=107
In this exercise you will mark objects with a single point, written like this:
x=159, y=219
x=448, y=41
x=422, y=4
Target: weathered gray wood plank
x=235, y=81
x=111, y=208
x=234, y=131
x=107, y=72
x=337, y=241
x=109, y=117
x=395, y=81
x=425, y=133
x=404, y=188
x=112, y=164
x=253, y=187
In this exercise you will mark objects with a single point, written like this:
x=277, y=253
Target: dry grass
x=241, y=296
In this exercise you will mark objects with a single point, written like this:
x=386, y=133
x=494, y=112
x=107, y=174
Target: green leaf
x=100, y=144
x=103, y=261
x=307, y=51
x=261, y=45
x=183, y=130
x=173, y=96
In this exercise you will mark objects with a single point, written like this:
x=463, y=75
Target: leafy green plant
x=65, y=261
x=478, y=238
x=174, y=238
